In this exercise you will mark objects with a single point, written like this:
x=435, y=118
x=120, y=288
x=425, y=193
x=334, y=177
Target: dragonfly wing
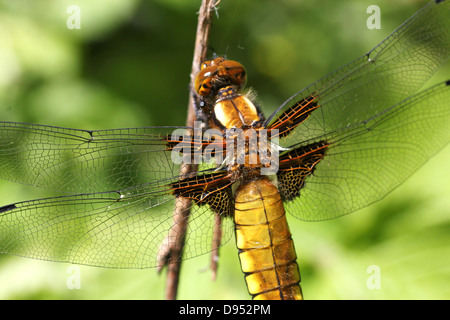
x=123, y=229
x=358, y=165
x=81, y=161
x=394, y=70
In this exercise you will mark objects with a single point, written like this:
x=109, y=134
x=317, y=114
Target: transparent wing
x=394, y=70
x=367, y=160
x=123, y=229
x=82, y=161
x=122, y=210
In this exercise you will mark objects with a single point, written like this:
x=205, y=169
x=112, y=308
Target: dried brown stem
x=217, y=236
x=172, y=249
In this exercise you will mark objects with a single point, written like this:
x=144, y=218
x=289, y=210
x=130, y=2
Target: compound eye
x=203, y=81
x=217, y=73
x=206, y=63
x=205, y=88
x=217, y=61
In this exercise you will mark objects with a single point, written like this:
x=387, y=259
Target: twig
x=171, y=252
x=217, y=236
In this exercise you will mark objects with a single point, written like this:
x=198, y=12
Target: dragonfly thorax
x=224, y=107
x=234, y=110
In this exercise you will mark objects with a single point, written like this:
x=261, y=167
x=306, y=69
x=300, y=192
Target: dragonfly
x=344, y=142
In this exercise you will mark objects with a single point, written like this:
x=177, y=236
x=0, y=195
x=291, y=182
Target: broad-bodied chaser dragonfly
x=339, y=145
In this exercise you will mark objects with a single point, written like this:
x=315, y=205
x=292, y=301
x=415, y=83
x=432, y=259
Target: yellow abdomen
x=266, y=249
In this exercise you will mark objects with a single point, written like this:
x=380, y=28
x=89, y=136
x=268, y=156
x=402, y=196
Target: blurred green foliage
x=128, y=66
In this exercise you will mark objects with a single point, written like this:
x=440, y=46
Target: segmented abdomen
x=266, y=249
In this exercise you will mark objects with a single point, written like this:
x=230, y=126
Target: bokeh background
x=128, y=66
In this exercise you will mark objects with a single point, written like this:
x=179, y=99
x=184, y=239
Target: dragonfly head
x=218, y=73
